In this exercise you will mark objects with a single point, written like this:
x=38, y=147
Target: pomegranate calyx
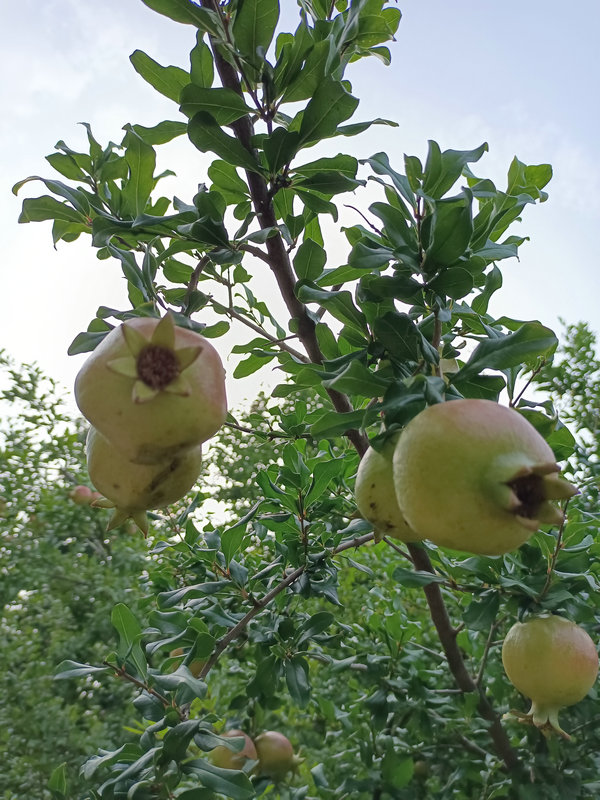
x=154, y=364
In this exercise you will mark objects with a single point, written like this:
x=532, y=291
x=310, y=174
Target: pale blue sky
x=521, y=75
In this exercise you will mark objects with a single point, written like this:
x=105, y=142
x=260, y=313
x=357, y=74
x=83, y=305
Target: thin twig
x=261, y=603
x=121, y=672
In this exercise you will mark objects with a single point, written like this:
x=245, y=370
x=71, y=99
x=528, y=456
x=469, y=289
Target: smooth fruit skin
x=375, y=495
x=81, y=495
x=553, y=662
x=275, y=755
x=134, y=489
x=476, y=476
x=152, y=430
x=225, y=758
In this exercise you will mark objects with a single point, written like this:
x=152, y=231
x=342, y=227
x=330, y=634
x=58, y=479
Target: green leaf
x=315, y=625
x=358, y=379
x=455, y=282
x=330, y=105
x=280, y=148
x=169, y=81
x=442, y=170
x=493, y=282
x=415, y=578
x=188, y=13
x=164, y=132
x=58, y=781
x=85, y=342
x=233, y=784
x=73, y=669
x=141, y=160
x=309, y=261
x=224, y=176
x=339, y=304
x=323, y=473
x=254, y=25
x=397, y=771
x=530, y=342
x=202, y=71
x=38, y=209
x=309, y=77
x=130, y=268
x=177, y=740
x=399, y=335
x=130, y=632
x=451, y=230
x=334, y=423
x=296, y=677
x=206, y=134
x=224, y=105
x=481, y=612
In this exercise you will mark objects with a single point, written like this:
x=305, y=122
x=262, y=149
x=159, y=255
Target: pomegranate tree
x=153, y=389
x=554, y=663
x=476, y=476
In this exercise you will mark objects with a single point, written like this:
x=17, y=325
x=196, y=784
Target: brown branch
x=462, y=677
x=278, y=258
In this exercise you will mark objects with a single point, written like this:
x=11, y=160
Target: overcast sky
x=522, y=76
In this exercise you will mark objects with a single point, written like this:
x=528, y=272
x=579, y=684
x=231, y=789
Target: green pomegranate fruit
x=153, y=389
x=375, y=495
x=554, y=663
x=476, y=476
x=275, y=755
x=225, y=758
x=81, y=495
x=195, y=667
x=132, y=489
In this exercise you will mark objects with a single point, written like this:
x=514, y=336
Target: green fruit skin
x=451, y=465
x=550, y=660
x=155, y=430
x=275, y=755
x=375, y=495
x=225, y=758
x=139, y=487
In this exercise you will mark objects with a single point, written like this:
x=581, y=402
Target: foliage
x=61, y=575
x=389, y=653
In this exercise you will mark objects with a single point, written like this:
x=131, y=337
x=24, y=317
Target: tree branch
x=278, y=258
x=263, y=602
x=462, y=677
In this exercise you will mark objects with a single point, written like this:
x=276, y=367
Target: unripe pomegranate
x=554, y=663
x=476, y=476
x=195, y=667
x=81, y=495
x=153, y=389
x=275, y=755
x=375, y=495
x=133, y=489
x=225, y=758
